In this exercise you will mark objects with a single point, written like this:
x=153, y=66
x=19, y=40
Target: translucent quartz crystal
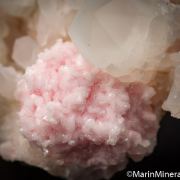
x=25, y=51
x=123, y=36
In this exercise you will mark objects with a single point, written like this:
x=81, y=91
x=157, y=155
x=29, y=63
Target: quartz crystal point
x=121, y=36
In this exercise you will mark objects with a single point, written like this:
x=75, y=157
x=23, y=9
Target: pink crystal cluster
x=82, y=116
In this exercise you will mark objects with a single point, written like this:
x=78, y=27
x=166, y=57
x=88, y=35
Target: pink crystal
x=82, y=117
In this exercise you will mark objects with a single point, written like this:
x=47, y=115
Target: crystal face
x=25, y=48
x=120, y=39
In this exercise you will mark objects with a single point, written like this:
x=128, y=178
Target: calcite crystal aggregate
x=99, y=116
x=84, y=82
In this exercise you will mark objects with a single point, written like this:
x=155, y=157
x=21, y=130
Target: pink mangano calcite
x=83, y=118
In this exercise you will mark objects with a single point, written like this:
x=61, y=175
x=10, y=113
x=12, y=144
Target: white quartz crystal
x=123, y=36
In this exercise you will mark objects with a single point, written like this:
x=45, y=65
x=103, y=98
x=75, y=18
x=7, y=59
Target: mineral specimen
x=83, y=82
x=82, y=117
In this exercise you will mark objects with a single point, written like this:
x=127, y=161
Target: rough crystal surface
x=83, y=117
